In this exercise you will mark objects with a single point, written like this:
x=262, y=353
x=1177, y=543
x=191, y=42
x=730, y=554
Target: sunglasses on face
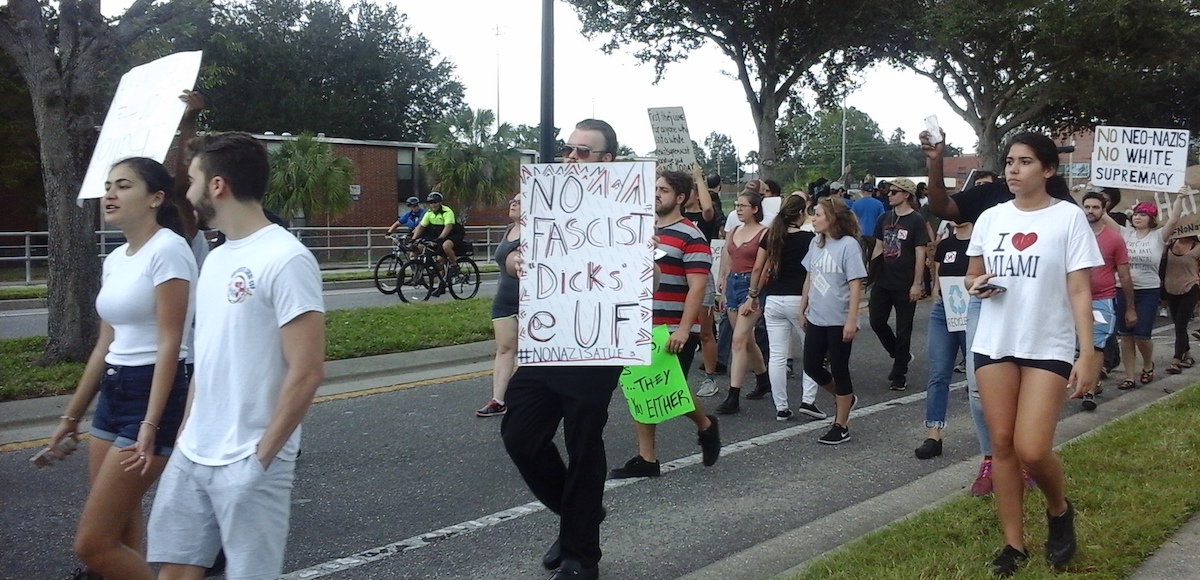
x=581, y=151
x=896, y=191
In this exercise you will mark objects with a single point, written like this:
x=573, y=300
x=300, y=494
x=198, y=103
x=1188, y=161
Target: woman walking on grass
x=1031, y=261
x=137, y=368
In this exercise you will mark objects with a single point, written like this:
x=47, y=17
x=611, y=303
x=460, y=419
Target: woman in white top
x=136, y=367
x=1031, y=261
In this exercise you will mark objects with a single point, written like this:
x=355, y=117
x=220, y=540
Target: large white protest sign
x=586, y=286
x=1139, y=158
x=672, y=141
x=143, y=117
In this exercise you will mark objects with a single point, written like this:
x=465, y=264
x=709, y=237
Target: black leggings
x=820, y=341
x=1181, y=307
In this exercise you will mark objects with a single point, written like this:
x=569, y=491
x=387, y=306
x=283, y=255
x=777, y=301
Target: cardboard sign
x=1139, y=158
x=672, y=141
x=143, y=117
x=1189, y=223
x=657, y=392
x=954, y=301
x=586, y=238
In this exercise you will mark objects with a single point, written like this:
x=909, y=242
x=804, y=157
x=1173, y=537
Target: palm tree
x=472, y=164
x=306, y=179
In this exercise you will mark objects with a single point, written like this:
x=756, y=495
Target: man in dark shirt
x=902, y=235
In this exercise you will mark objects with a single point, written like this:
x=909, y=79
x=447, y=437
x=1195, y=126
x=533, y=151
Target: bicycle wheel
x=385, y=273
x=412, y=282
x=464, y=283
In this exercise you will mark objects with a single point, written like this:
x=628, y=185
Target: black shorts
x=1058, y=367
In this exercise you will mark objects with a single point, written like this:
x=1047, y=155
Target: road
x=412, y=477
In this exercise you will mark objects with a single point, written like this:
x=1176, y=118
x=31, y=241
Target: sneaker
x=1089, y=402
x=493, y=408
x=1060, y=538
x=710, y=443
x=708, y=388
x=929, y=449
x=1007, y=561
x=961, y=368
x=783, y=415
x=897, y=386
x=811, y=410
x=636, y=467
x=983, y=483
x=837, y=434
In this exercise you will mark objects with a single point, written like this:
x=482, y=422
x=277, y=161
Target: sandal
x=1126, y=385
x=1147, y=375
x=1173, y=369
x=1187, y=361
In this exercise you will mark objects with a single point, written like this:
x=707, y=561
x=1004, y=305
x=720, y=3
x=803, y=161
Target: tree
x=472, y=163
x=307, y=180
x=530, y=137
x=20, y=171
x=775, y=44
x=721, y=156
x=62, y=50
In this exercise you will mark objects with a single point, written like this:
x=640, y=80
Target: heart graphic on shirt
x=1022, y=241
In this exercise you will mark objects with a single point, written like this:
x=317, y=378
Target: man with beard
x=902, y=236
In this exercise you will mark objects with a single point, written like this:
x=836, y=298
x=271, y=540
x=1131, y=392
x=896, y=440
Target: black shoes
x=897, y=385
x=1089, y=402
x=731, y=404
x=710, y=444
x=929, y=449
x=1060, y=539
x=762, y=388
x=636, y=467
x=573, y=570
x=836, y=435
x=553, y=558
x=1007, y=561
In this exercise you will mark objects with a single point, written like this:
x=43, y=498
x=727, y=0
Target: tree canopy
x=307, y=180
x=473, y=164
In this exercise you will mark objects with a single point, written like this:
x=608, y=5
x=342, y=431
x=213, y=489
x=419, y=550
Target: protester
x=1104, y=288
x=1030, y=266
x=504, y=312
x=1180, y=286
x=867, y=209
x=741, y=249
x=260, y=342
x=409, y=219
x=899, y=263
x=684, y=272
x=701, y=212
x=136, y=367
x=829, y=307
x=779, y=264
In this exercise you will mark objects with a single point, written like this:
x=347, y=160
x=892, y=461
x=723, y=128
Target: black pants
x=897, y=344
x=538, y=399
x=1181, y=307
x=822, y=341
x=688, y=354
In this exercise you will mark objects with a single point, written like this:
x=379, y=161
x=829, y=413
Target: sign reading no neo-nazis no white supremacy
x=1139, y=158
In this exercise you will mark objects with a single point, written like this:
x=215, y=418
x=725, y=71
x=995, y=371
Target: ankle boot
x=732, y=403
x=762, y=387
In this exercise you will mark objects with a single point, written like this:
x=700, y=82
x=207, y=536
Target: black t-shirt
x=708, y=228
x=899, y=236
x=951, y=256
x=973, y=201
x=1119, y=217
x=789, y=278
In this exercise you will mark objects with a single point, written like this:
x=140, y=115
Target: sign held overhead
x=1139, y=158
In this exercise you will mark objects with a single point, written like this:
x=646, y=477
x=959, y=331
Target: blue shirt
x=868, y=210
x=411, y=219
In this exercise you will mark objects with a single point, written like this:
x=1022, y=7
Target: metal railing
x=23, y=255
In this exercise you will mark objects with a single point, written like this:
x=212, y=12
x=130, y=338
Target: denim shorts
x=737, y=289
x=1145, y=303
x=124, y=396
x=1101, y=331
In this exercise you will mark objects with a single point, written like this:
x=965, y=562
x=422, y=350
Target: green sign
x=658, y=391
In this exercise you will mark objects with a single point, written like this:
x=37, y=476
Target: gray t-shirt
x=830, y=269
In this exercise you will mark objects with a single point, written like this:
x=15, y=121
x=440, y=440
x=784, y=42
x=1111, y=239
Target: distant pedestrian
x=1180, y=288
x=504, y=312
x=899, y=263
x=702, y=212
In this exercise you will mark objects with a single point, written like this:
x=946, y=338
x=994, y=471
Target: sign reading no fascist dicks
x=586, y=239
x=1139, y=158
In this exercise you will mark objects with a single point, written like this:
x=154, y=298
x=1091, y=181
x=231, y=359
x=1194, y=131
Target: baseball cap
x=836, y=185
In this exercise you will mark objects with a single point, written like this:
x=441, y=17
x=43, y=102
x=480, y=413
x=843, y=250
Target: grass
x=1133, y=483
x=348, y=334
x=20, y=292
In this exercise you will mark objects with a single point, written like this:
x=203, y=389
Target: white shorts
x=198, y=509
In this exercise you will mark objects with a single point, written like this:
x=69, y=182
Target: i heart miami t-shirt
x=1031, y=252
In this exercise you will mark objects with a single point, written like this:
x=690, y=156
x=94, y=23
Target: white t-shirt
x=1031, y=253
x=126, y=299
x=1145, y=256
x=770, y=207
x=200, y=250
x=248, y=289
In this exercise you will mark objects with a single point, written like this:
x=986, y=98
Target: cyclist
x=440, y=226
x=409, y=219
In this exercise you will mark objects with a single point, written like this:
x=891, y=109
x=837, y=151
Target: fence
x=23, y=254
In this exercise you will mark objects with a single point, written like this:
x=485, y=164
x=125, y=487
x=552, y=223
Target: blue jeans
x=944, y=347
x=981, y=428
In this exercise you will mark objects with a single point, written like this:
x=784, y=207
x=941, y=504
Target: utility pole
x=547, y=128
x=497, y=77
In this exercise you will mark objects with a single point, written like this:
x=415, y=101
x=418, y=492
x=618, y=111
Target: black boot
x=762, y=387
x=731, y=404
x=1060, y=539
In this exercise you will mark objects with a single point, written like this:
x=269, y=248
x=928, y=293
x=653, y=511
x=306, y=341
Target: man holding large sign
x=585, y=311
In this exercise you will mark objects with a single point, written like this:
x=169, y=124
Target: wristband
x=754, y=293
x=148, y=423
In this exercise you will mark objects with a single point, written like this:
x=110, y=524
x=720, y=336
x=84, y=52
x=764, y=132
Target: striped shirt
x=687, y=253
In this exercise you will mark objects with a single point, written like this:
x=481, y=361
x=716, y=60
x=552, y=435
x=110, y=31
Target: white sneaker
x=708, y=388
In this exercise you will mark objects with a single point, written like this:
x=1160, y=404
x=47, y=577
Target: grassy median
x=1133, y=483
x=348, y=334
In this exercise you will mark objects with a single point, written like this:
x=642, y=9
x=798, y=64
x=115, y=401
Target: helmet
x=432, y=197
x=413, y=200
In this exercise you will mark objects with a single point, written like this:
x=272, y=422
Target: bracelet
x=147, y=423
x=68, y=418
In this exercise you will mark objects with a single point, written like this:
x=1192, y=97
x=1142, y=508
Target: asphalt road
x=412, y=471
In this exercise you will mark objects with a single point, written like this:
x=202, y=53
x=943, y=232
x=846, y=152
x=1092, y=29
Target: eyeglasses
x=581, y=151
x=742, y=206
x=896, y=191
x=514, y=202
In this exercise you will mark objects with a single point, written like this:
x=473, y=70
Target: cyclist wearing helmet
x=439, y=225
x=411, y=218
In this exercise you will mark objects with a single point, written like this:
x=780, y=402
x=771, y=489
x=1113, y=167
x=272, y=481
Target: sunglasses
x=581, y=151
x=896, y=191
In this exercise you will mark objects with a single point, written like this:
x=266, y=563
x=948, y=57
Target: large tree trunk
x=768, y=139
x=990, y=156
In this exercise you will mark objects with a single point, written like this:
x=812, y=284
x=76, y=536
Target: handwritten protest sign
x=954, y=300
x=657, y=392
x=672, y=141
x=586, y=294
x=144, y=114
x=1139, y=158
x=1189, y=223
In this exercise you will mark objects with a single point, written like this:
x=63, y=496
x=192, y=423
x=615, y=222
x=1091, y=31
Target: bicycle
x=387, y=268
x=419, y=277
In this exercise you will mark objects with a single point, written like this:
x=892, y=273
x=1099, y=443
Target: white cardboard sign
x=954, y=300
x=672, y=141
x=1139, y=158
x=143, y=117
x=586, y=293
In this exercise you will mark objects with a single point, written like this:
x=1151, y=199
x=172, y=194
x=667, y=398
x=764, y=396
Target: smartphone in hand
x=934, y=129
x=990, y=287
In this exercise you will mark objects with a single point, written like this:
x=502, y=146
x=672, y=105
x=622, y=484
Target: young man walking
x=901, y=235
x=1104, y=290
x=260, y=352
